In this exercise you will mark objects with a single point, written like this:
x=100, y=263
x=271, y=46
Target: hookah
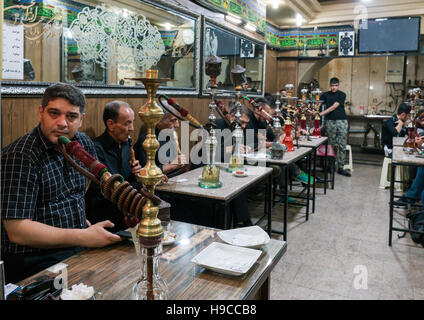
x=288, y=140
x=303, y=109
x=150, y=286
x=316, y=104
x=139, y=207
x=277, y=149
x=409, y=143
x=210, y=172
x=236, y=160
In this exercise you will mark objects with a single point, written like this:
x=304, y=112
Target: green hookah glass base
x=210, y=185
x=210, y=177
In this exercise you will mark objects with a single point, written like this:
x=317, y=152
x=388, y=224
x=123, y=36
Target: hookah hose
x=184, y=113
x=223, y=112
x=127, y=198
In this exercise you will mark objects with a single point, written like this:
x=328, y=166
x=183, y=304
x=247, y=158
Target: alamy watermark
x=199, y=153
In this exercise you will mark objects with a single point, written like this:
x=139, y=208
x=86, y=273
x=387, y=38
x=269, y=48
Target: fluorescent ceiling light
x=275, y=4
x=250, y=27
x=299, y=19
x=232, y=19
x=167, y=26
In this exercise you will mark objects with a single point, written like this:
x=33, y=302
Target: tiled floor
x=342, y=252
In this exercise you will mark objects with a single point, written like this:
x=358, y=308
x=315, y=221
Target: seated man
x=394, y=127
x=113, y=150
x=416, y=191
x=42, y=195
x=176, y=160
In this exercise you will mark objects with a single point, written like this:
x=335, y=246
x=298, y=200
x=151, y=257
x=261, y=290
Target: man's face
x=170, y=122
x=124, y=126
x=404, y=116
x=268, y=109
x=244, y=119
x=59, y=118
x=334, y=87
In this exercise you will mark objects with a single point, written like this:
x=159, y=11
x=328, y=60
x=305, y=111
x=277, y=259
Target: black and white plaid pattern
x=37, y=183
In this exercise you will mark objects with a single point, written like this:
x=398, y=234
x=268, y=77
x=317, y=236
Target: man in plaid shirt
x=42, y=195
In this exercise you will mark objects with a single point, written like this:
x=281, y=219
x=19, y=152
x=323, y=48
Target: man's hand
x=135, y=167
x=419, y=141
x=97, y=236
x=399, y=122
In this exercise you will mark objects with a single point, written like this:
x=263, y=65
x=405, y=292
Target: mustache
x=60, y=132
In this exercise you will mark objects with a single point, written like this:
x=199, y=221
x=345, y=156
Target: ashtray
x=240, y=173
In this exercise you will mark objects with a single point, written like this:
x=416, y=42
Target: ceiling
x=331, y=12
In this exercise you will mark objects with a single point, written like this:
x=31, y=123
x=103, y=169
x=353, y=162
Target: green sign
x=248, y=10
x=298, y=39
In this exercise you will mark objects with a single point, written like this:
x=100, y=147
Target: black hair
x=270, y=98
x=403, y=108
x=334, y=80
x=261, y=101
x=65, y=91
x=243, y=110
x=111, y=110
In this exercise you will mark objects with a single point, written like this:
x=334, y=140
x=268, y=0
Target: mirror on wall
x=98, y=43
x=234, y=50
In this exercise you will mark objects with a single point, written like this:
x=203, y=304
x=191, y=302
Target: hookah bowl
x=150, y=286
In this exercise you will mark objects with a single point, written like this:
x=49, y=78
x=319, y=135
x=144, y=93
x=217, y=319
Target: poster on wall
x=13, y=52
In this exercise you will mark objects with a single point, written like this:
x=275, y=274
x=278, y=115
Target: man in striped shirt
x=42, y=195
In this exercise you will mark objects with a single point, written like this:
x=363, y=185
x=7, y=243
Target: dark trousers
x=17, y=267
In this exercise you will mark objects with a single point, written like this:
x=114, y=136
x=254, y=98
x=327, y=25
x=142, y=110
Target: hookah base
x=210, y=185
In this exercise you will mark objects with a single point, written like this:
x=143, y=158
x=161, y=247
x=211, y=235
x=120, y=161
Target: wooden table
x=400, y=158
x=288, y=158
x=231, y=187
x=115, y=269
x=314, y=144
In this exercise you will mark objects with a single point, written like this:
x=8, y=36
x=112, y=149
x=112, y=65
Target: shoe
x=303, y=177
x=343, y=172
x=293, y=202
x=319, y=180
x=403, y=202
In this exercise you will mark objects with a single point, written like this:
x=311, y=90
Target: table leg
x=315, y=178
x=308, y=186
x=325, y=167
x=269, y=204
x=286, y=201
x=392, y=188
